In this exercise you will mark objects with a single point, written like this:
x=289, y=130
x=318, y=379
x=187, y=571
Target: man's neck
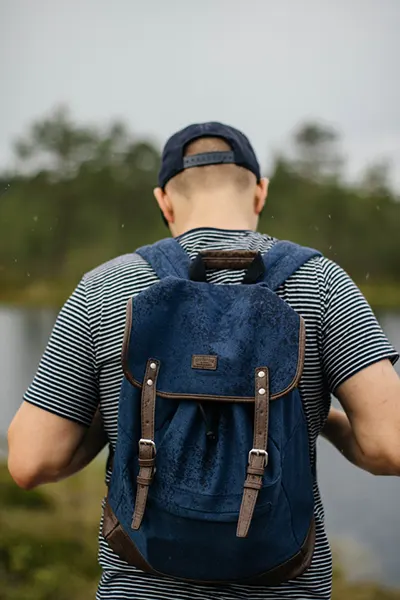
x=210, y=226
x=226, y=222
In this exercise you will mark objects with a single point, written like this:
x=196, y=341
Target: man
x=58, y=429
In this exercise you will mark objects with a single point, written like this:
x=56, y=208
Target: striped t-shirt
x=82, y=367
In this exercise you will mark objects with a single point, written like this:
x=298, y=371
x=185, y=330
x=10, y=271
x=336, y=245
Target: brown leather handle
x=228, y=259
x=247, y=260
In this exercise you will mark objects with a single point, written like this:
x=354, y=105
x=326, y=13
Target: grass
x=48, y=538
x=48, y=542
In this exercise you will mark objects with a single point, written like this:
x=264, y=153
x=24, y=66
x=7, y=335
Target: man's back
x=342, y=338
x=209, y=177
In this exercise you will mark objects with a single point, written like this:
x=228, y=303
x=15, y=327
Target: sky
x=263, y=66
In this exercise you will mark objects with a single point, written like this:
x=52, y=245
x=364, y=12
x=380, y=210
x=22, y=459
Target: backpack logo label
x=206, y=362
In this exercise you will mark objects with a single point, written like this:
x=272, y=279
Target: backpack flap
x=200, y=333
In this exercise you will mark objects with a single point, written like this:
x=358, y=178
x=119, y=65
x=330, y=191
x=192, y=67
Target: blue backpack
x=212, y=480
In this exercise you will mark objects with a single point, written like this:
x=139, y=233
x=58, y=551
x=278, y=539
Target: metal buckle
x=144, y=442
x=256, y=452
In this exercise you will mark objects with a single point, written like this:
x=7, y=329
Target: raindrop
x=123, y=225
x=329, y=217
x=28, y=274
x=5, y=190
x=378, y=207
x=15, y=259
x=330, y=247
x=367, y=276
x=35, y=218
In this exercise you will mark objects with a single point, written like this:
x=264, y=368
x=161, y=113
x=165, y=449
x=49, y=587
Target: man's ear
x=164, y=202
x=261, y=195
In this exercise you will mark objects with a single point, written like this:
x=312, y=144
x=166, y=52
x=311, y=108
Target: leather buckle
x=144, y=442
x=256, y=452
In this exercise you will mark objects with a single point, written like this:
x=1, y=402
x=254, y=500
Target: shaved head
x=222, y=195
x=209, y=178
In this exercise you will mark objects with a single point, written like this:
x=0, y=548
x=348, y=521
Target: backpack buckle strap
x=147, y=447
x=147, y=462
x=254, y=470
x=144, y=481
x=258, y=456
x=253, y=485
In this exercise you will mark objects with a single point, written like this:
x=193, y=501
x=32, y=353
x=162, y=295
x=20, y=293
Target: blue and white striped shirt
x=81, y=368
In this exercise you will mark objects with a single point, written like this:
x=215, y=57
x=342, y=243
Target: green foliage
x=51, y=554
x=33, y=567
x=12, y=496
x=83, y=195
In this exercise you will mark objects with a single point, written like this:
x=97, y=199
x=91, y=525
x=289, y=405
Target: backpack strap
x=258, y=455
x=166, y=257
x=283, y=260
x=147, y=446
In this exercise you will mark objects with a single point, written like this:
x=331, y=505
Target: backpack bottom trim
x=122, y=545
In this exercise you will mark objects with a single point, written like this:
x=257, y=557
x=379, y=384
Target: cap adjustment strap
x=208, y=158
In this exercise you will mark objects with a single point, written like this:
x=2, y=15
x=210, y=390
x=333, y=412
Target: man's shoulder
x=131, y=267
x=324, y=269
x=121, y=267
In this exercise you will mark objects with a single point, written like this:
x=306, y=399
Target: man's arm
x=357, y=362
x=55, y=431
x=368, y=433
x=93, y=442
x=44, y=448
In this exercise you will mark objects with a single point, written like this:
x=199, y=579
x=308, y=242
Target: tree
x=316, y=153
x=375, y=180
x=59, y=142
x=87, y=197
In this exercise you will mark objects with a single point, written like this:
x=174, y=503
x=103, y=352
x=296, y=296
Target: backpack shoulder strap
x=166, y=257
x=283, y=260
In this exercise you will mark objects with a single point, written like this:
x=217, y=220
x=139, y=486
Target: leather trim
x=127, y=335
x=228, y=259
x=207, y=397
x=122, y=545
x=120, y=542
x=293, y=567
x=258, y=457
x=147, y=448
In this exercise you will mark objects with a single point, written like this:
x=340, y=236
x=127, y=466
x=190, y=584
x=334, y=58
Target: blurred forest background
x=81, y=195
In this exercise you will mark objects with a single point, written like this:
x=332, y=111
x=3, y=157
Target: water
x=361, y=510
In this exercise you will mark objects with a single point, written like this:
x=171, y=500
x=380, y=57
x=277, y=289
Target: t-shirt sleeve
x=351, y=336
x=66, y=381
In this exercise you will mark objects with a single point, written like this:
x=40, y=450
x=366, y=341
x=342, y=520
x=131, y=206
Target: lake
x=362, y=511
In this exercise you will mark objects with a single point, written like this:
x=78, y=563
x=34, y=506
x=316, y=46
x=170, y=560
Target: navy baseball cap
x=173, y=160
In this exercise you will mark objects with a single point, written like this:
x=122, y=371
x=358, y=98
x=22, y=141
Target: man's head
x=210, y=177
